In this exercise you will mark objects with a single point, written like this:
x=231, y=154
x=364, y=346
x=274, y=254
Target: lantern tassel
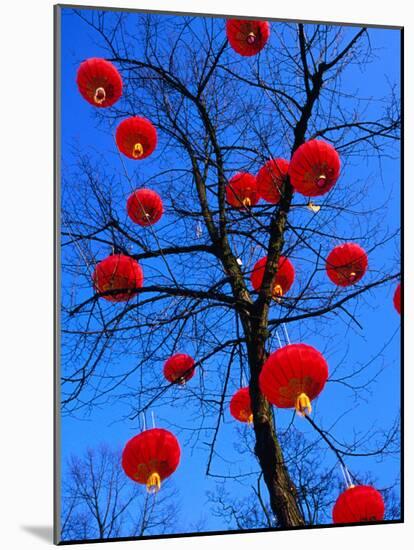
x=137, y=151
x=352, y=276
x=251, y=38
x=313, y=207
x=247, y=202
x=321, y=182
x=100, y=95
x=303, y=405
x=153, y=483
x=181, y=382
x=250, y=419
x=277, y=293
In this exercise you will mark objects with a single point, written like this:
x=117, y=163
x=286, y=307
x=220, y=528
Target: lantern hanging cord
x=286, y=333
x=347, y=477
x=144, y=423
x=278, y=339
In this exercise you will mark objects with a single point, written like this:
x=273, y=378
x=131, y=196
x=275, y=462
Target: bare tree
x=99, y=502
x=217, y=114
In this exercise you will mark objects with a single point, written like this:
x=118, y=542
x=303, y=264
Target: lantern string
x=286, y=333
x=350, y=480
x=153, y=419
x=278, y=339
x=344, y=474
x=144, y=424
x=151, y=228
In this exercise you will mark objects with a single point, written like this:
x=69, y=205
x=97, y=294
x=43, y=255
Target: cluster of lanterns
x=295, y=374
x=313, y=171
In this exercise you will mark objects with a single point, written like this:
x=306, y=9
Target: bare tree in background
x=99, y=502
x=217, y=114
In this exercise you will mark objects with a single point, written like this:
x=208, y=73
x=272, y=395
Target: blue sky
x=347, y=348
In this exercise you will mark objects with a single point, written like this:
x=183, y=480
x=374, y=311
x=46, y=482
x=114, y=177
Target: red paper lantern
x=314, y=168
x=247, y=37
x=99, y=82
x=179, y=368
x=346, y=264
x=150, y=457
x=357, y=504
x=145, y=207
x=241, y=191
x=397, y=298
x=284, y=278
x=293, y=376
x=118, y=272
x=270, y=179
x=240, y=406
x=136, y=137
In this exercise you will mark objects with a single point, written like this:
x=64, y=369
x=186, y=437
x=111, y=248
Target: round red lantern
x=397, y=298
x=293, y=376
x=247, y=37
x=270, y=179
x=346, y=264
x=179, y=368
x=240, y=406
x=136, y=137
x=284, y=278
x=241, y=190
x=357, y=504
x=150, y=457
x=314, y=168
x=99, y=82
x=145, y=207
x=118, y=272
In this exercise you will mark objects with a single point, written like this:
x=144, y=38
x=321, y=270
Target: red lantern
x=270, y=179
x=118, y=272
x=241, y=191
x=145, y=207
x=357, y=504
x=346, y=264
x=397, y=298
x=247, y=37
x=179, y=368
x=240, y=406
x=314, y=168
x=292, y=376
x=284, y=278
x=150, y=457
x=99, y=82
x=136, y=137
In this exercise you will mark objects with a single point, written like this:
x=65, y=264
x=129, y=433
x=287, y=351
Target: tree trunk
x=282, y=491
